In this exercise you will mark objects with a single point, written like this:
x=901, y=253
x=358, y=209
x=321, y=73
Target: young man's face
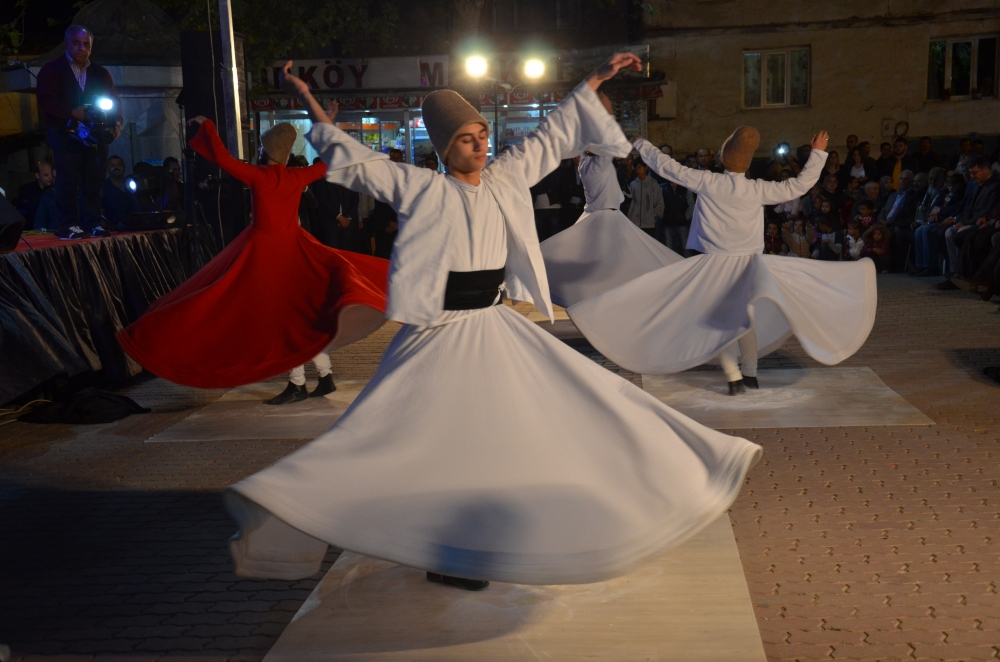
x=174, y=170
x=468, y=152
x=78, y=47
x=395, y=156
x=885, y=150
x=964, y=146
x=46, y=175
x=980, y=174
x=925, y=146
x=852, y=142
x=899, y=148
x=704, y=158
x=641, y=171
x=830, y=184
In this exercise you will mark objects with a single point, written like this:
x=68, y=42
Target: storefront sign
x=377, y=73
x=346, y=103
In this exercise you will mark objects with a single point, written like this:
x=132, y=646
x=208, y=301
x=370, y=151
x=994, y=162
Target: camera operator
x=82, y=116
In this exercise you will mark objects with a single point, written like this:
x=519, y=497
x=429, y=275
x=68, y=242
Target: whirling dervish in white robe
x=483, y=447
x=732, y=302
x=603, y=249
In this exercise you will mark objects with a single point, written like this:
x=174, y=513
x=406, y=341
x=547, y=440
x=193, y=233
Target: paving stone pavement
x=857, y=543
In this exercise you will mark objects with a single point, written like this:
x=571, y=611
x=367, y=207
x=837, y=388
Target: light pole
x=476, y=66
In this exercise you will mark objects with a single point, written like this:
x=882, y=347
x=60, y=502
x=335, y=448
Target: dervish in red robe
x=270, y=301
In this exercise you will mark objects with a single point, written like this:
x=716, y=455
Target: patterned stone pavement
x=871, y=543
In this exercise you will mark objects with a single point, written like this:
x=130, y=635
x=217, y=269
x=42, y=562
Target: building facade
x=790, y=68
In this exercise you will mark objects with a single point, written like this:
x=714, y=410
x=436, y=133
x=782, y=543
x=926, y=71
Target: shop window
x=962, y=67
x=776, y=78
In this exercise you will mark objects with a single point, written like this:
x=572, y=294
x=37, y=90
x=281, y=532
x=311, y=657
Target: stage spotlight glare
x=534, y=68
x=105, y=103
x=476, y=66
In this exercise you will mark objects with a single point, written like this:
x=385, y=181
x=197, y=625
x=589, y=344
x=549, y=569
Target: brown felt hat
x=278, y=142
x=445, y=113
x=739, y=148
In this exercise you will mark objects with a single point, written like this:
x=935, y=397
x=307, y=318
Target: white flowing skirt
x=600, y=252
x=485, y=448
x=682, y=315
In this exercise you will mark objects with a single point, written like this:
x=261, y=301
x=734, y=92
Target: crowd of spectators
x=909, y=210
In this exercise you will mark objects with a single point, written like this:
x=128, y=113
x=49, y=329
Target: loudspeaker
x=11, y=225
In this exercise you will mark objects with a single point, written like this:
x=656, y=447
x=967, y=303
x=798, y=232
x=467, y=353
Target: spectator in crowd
x=337, y=220
x=832, y=193
x=832, y=167
x=899, y=213
x=873, y=194
x=932, y=193
x=877, y=247
x=781, y=159
x=676, y=221
x=865, y=216
x=624, y=169
x=47, y=216
x=947, y=203
x=706, y=160
x=986, y=280
x=925, y=158
x=173, y=168
x=856, y=171
x=646, y=210
x=30, y=195
x=116, y=201
x=885, y=160
x=830, y=239
x=773, y=243
x=979, y=146
x=979, y=200
x=964, y=147
x=431, y=162
x=851, y=142
x=900, y=161
x=65, y=88
x=384, y=222
x=665, y=148
x=799, y=241
x=885, y=188
x=854, y=242
x=866, y=151
x=973, y=239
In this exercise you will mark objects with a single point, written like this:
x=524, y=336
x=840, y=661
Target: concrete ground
x=875, y=543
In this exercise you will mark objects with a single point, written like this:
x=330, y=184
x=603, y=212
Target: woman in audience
x=799, y=240
x=856, y=171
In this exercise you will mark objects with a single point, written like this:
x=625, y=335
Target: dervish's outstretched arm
x=773, y=193
x=580, y=122
x=351, y=164
x=666, y=167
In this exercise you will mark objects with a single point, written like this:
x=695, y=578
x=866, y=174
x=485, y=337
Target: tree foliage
x=276, y=30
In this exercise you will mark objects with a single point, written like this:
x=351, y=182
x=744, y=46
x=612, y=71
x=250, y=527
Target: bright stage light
x=105, y=103
x=476, y=66
x=534, y=68
x=132, y=185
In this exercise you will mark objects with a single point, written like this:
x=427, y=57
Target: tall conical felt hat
x=739, y=148
x=278, y=142
x=445, y=112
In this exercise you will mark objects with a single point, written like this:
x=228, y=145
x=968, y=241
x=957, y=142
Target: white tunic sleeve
x=771, y=193
x=358, y=168
x=580, y=122
x=666, y=167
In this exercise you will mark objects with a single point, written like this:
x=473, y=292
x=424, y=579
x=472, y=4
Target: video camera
x=99, y=126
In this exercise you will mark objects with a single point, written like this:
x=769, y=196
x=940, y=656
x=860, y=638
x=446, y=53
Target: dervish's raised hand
x=290, y=83
x=612, y=66
x=820, y=141
x=197, y=120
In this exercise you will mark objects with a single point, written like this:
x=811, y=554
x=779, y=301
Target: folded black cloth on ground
x=87, y=406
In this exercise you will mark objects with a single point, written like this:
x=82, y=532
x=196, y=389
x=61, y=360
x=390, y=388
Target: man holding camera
x=82, y=117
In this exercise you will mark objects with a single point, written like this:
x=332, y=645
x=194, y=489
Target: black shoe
x=946, y=285
x=71, y=233
x=737, y=387
x=467, y=584
x=751, y=382
x=99, y=231
x=325, y=386
x=292, y=393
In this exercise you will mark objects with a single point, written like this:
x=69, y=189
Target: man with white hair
x=67, y=87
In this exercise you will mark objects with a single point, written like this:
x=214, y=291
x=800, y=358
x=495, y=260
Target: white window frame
x=973, y=63
x=787, y=52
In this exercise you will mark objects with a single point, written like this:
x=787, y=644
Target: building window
x=776, y=78
x=963, y=67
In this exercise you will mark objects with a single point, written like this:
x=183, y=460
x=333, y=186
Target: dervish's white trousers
x=322, y=363
x=742, y=362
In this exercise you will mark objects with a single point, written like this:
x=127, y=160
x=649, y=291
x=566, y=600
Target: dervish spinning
x=732, y=303
x=484, y=448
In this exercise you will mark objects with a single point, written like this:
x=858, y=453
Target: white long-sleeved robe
x=683, y=315
x=603, y=249
x=483, y=447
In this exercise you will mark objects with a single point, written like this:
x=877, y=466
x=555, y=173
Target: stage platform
x=61, y=303
x=689, y=605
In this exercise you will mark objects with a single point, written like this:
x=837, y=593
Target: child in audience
x=877, y=247
x=773, y=245
x=854, y=241
x=829, y=240
x=866, y=214
x=799, y=239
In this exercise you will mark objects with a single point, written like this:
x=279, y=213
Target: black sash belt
x=469, y=290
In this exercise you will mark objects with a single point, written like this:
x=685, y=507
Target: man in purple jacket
x=66, y=87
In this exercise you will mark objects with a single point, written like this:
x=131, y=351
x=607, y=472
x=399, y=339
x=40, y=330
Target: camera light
x=783, y=148
x=132, y=185
x=105, y=103
x=476, y=66
x=534, y=68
